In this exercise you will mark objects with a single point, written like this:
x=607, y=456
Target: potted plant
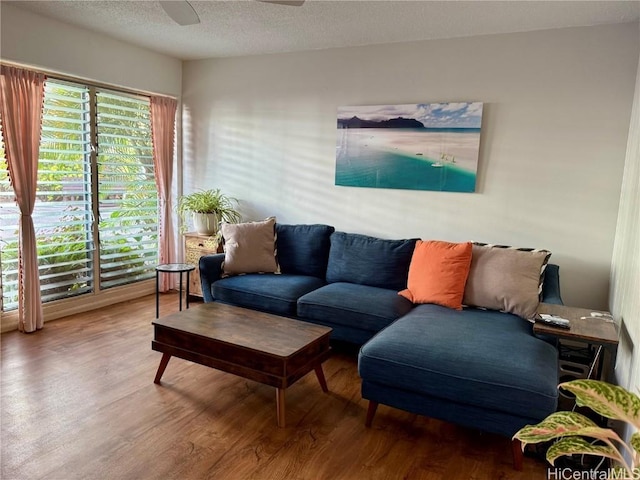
x=571, y=430
x=208, y=208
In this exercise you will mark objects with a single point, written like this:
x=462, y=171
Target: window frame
x=98, y=297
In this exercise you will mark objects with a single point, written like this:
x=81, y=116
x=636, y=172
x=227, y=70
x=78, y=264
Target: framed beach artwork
x=425, y=146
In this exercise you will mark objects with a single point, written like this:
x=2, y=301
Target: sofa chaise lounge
x=476, y=367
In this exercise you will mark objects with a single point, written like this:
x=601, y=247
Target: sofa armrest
x=551, y=285
x=210, y=270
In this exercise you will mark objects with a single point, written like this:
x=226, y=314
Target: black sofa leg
x=371, y=411
x=516, y=448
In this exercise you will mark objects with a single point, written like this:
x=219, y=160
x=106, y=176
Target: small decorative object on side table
x=173, y=268
x=196, y=246
x=588, y=326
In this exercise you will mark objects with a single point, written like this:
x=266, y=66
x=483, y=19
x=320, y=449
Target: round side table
x=173, y=268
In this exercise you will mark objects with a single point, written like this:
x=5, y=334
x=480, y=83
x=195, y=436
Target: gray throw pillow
x=506, y=279
x=249, y=247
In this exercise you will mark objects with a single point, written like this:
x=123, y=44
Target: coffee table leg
x=280, y=407
x=163, y=364
x=321, y=379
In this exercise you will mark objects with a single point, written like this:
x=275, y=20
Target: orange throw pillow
x=438, y=273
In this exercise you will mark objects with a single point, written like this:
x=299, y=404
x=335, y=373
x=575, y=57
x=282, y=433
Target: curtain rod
x=69, y=78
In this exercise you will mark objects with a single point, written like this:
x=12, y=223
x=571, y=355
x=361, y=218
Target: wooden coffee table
x=269, y=349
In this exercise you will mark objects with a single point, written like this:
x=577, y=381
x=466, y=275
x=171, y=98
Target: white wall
x=556, y=118
x=37, y=41
x=625, y=266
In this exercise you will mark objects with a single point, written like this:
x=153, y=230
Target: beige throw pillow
x=505, y=279
x=249, y=247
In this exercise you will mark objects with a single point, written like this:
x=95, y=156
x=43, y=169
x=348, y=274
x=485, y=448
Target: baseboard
x=83, y=303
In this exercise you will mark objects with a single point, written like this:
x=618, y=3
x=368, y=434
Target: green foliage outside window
x=127, y=211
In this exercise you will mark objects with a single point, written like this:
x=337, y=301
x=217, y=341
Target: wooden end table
x=599, y=330
x=269, y=349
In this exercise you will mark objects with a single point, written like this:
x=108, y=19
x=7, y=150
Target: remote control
x=555, y=321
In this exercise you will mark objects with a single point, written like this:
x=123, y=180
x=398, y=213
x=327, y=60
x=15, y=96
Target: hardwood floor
x=79, y=402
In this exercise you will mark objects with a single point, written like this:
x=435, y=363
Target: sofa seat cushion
x=358, y=306
x=483, y=358
x=267, y=292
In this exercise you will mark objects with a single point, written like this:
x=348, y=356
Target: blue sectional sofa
x=348, y=282
x=479, y=368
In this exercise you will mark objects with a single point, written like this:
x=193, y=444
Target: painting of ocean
x=419, y=147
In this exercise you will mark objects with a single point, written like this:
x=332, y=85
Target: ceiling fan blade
x=291, y=3
x=180, y=12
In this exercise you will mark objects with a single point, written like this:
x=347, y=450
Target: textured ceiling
x=247, y=27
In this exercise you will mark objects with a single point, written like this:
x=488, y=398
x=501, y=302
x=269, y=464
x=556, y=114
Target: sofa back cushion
x=370, y=261
x=303, y=249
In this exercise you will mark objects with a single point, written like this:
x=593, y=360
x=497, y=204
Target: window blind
x=128, y=196
x=77, y=184
x=62, y=211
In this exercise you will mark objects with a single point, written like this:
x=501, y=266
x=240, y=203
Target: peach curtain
x=163, y=115
x=21, y=110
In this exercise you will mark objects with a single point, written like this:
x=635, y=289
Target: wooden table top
x=584, y=326
x=251, y=329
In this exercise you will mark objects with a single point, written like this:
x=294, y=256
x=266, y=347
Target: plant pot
x=205, y=223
